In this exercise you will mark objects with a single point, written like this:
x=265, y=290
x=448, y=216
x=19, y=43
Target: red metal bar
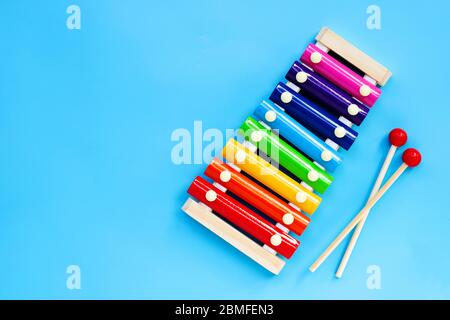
x=242, y=217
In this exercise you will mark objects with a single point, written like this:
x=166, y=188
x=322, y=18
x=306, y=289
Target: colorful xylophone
x=290, y=147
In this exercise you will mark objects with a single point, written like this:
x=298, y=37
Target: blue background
x=86, y=176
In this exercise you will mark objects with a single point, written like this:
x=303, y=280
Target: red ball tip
x=398, y=137
x=411, y=157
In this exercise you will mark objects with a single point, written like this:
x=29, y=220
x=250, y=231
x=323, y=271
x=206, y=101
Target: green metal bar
x=288, y=157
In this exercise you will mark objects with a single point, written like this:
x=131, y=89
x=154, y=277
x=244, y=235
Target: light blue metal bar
x=306, y=141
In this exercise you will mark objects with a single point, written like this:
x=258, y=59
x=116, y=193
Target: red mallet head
x=398, y=137
x=411, y=157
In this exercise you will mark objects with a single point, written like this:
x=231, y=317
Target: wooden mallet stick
x=411, y=158
x=397, y=138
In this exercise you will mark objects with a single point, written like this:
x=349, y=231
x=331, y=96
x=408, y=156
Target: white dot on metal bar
x=301, y=77
x=340, y=132
x=270, y=116
x=240, y=156
x=353, y=109
x=288, y=218
x=326, y=155
x=225, y=176
x=316, y=57
x=286, y=97
x=211, y=195
x=275, y=240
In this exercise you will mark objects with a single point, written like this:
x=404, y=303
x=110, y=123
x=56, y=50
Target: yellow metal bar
x=271, y=176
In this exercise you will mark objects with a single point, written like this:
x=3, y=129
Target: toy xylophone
x=290, y=147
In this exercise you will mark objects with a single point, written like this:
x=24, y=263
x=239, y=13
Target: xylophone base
x=234, y=237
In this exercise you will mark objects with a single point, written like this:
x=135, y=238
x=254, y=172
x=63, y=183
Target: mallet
x=397, y=138
x=411, y=158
